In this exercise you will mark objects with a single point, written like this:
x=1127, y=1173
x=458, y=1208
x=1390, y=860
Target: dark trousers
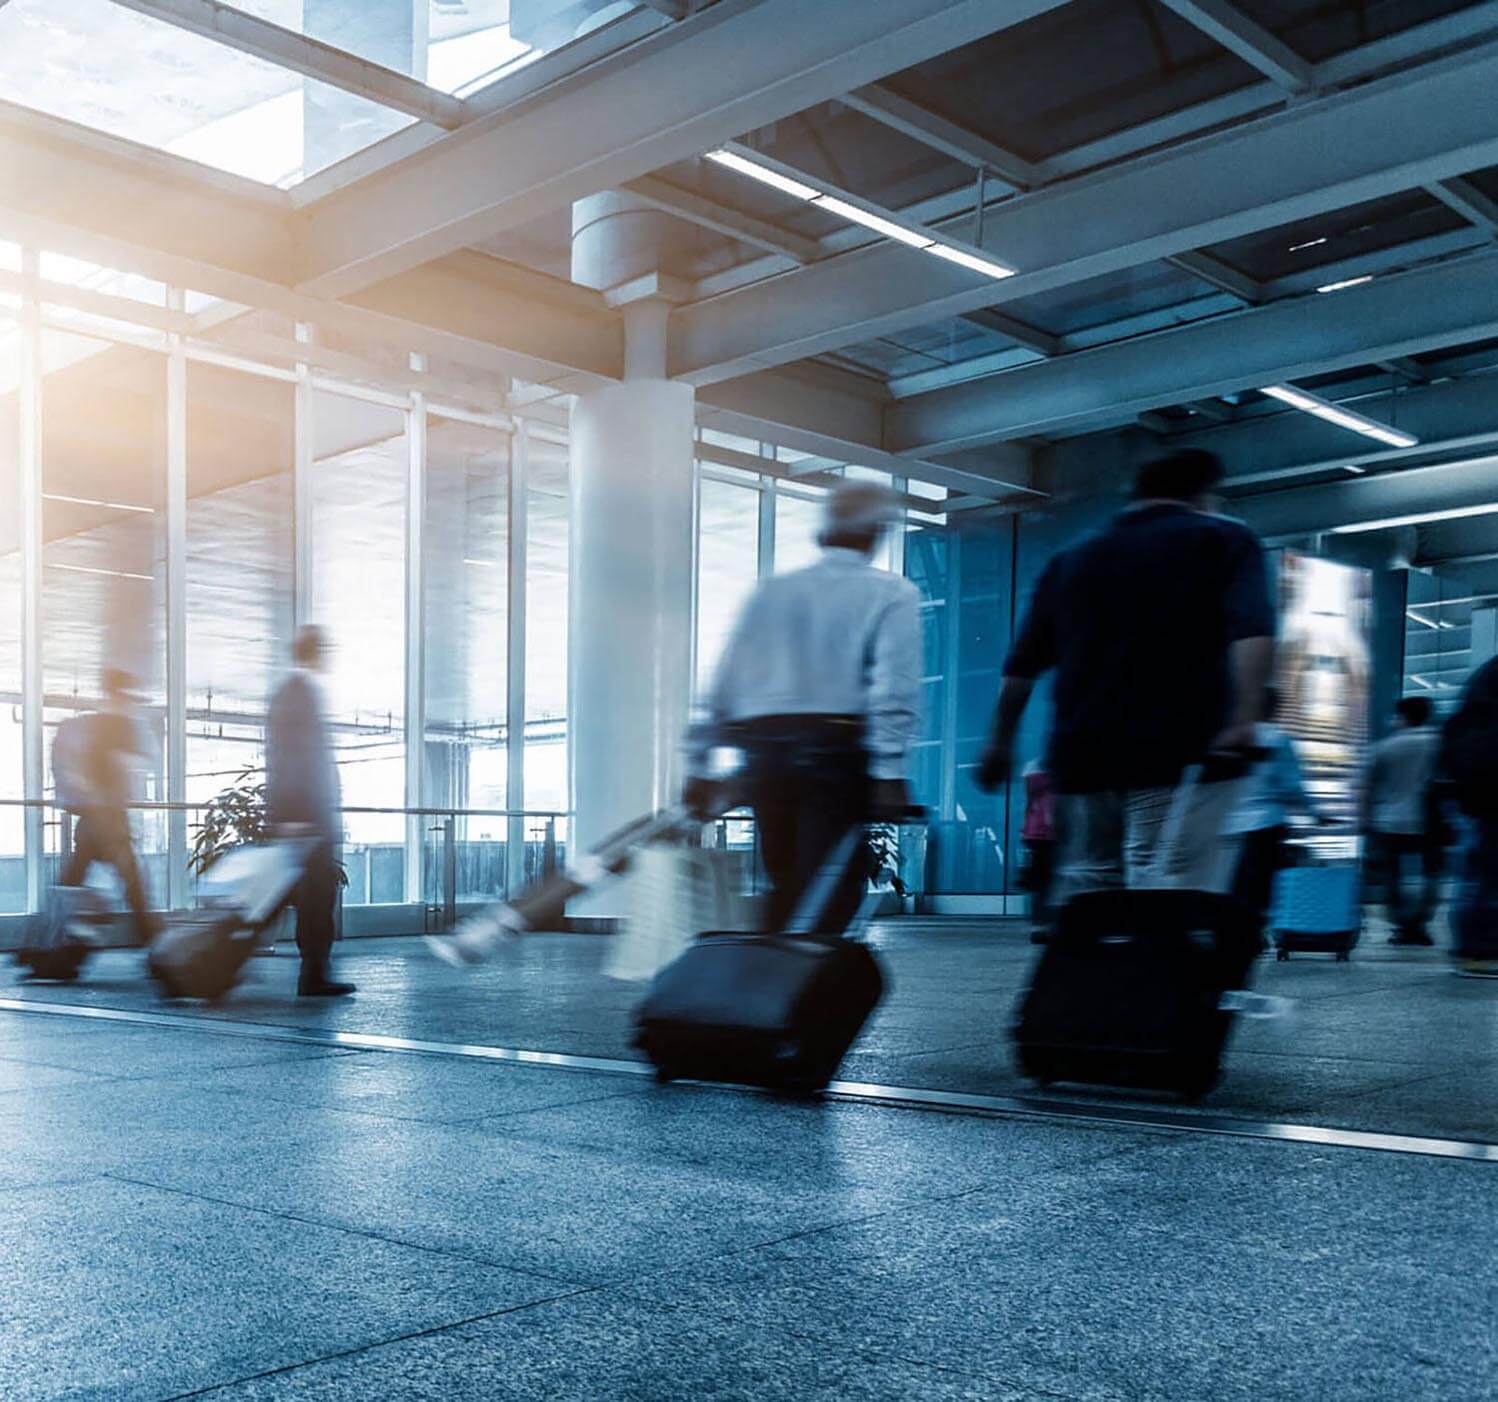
x=103, y=835
x=808, y=783
x=1475, y=919
x=1262, y=856
x=315, y=899
x=1040, y=881
x=1406, y=868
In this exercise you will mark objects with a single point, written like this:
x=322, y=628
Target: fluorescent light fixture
x=1346, y=282
x=1343, y=418
x=113, y=574
x=764, y=175
x=1416, y=616
x=1353, y=468
x=877, y=222
x=1417, y=518
x=1309, y=243
x=1420, y=681
x=482, y=564
x=91, y=501
x=964, y=259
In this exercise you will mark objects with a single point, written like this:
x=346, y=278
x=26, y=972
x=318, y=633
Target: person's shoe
x=324, y=988
x=474, y=940
x=1476, y=968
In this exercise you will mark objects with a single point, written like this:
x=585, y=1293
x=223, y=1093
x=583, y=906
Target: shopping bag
x=675, y=893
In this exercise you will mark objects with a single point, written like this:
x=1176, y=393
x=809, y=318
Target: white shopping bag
x=674, y=894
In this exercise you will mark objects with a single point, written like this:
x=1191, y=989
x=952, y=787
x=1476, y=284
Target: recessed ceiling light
x=877, y=222
x=964, y=259
x=733, y=161
x=1345, y=282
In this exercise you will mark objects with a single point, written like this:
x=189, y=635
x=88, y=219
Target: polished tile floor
x=200, y=1209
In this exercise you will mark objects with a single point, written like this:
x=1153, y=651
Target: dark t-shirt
x=1137, y=622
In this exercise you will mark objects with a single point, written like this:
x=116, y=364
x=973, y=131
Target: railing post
x=549, y=851
x=449, y=871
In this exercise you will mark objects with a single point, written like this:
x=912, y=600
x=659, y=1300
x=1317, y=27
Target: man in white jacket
x=820, y=687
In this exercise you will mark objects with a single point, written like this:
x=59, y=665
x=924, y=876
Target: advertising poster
x=1324, y=674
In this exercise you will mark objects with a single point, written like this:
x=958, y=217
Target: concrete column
x=1484, y=635
x=631, y=554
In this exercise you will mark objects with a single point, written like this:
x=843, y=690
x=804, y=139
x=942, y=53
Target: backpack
x=72, y=763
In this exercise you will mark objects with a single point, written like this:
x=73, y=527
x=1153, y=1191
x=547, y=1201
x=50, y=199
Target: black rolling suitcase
x=1129, y=990
x=58, y=939
x=778, y=1010
x=202, y=953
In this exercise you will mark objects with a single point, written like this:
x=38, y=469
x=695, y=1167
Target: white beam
x=1426, y=309
x=1378, y=139
x=900, y=114
x=697, y=209
x=1254, y=44
x=237, y=29
x=734, y=67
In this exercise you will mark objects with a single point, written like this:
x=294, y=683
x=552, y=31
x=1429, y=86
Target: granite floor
x=188, y=1212
x=1387, y=1042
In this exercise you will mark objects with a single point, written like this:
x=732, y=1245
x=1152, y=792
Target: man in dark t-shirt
x=1160, y=631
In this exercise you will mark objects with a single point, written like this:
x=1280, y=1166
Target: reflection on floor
x=184, y=1211
x=1388, y=1042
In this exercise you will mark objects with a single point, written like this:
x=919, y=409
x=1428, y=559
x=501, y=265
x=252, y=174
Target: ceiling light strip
x=1415, y=518
x=911, y=235
x=1343, y=418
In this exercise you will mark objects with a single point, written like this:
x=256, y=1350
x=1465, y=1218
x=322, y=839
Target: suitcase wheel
x=1282, y=956
x=1343, y=956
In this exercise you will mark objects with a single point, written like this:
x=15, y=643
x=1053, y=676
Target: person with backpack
x=91, y=763
x=1468, y=766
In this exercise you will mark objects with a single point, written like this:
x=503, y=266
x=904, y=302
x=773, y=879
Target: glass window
x=466, y=552
x=358, y=488
x=797, y=521
x=547, y=537
x=107, y=67
x=12, y=827
x=103, y=553
x=727, y=565
x=240, y=451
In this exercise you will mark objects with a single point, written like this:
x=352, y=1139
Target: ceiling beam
x=1460, y=194
x=1381, y=138
x=237, y=29
x=1215, y=273
x=899, y=114
x=1020, y=332
x=1427, y=309
x=1385, y=496
x=1254, y=44
x=709, y=214
x=726, y=70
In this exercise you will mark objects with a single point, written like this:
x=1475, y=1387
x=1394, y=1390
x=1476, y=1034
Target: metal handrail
x=178, y=806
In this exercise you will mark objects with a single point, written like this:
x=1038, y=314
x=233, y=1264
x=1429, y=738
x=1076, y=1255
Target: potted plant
x=884, y=867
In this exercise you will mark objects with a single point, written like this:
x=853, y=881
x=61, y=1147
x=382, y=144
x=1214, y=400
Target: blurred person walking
x=91, y=766
x=303, y=800
x=1404, y=856
x=1274, y=791
x=1160, y=631
x=1038, y=833
x=820, y=687
x=1468, y=764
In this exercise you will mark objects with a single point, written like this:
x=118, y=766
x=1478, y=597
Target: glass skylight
x=106, y=67
x=457, y=46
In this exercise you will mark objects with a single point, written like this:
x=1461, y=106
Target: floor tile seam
x=390, y=1342
x=478, y=1121
x=327, y=1224
x=57, y=1066
x=68, y=1181
x=324, y=1054
x=893, y=1096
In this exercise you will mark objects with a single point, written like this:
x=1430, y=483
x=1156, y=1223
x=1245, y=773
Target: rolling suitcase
x=1129, y=991
x=201, y=954
x=58, y=940
x=1317, y=909
x=777, y=1010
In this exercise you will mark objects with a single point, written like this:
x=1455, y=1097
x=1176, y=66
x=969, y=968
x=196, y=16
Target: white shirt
x=1274, y=789
x=1398, y=773
x=836, y=638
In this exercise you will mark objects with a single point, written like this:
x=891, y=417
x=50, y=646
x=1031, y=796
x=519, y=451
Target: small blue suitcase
x=1316, y=909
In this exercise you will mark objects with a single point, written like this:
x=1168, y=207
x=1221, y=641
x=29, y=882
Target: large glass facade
x=103, y=586
x=12, y=825
x=241, y=432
